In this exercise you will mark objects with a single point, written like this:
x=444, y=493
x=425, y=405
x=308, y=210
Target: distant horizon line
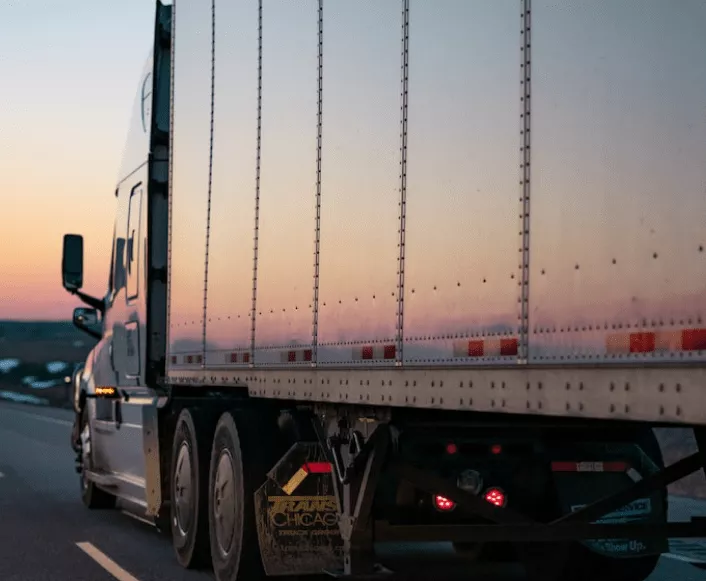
x=35, y=321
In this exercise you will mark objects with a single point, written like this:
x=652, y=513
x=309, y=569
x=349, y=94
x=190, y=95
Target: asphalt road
x=47, y=535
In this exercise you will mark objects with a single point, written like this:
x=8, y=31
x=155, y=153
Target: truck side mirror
x=72, y=262
x=86, y=319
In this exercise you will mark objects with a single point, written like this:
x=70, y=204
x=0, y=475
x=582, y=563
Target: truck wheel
x=189, y=483
x=243, y=446
x=92, y=496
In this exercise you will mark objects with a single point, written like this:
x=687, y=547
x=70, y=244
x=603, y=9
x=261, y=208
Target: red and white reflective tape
x=373, y=352
x=596, y=467
x=192, y=359
x=296, y=355
x=301, y=474
x=656, y=341
x=238, y=357
x=493, y=347
x=590, y=467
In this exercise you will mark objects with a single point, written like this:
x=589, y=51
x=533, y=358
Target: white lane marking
x=46, y=418
x=106, y=562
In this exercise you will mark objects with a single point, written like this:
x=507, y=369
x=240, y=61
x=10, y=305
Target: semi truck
x=404, y=271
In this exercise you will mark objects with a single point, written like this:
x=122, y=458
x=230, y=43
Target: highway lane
x=42, y=518
x=47, y=535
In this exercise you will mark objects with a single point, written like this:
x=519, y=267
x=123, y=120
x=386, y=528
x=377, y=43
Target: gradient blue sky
x=69, y=72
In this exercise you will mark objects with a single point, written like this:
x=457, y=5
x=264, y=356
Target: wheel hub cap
x=183, y=490
x=224, y=503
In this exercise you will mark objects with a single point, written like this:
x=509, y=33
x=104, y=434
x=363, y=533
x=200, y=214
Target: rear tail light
x=496, y=497
x=443, y=504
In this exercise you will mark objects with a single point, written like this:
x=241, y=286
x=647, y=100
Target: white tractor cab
x=123, y=355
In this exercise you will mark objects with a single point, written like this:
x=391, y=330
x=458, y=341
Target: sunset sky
x=69, y=73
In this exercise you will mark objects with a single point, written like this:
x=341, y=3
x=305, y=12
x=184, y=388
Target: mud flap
x=578, y=490
x=297, y=515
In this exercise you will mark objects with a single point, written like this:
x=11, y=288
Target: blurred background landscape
x=37, y=359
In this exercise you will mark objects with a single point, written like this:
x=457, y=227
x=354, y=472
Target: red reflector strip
x=491, y=347
x=650, y=342
x=508, y=347
x=590, y=467
x=189, y=358
x=475, y=348
x=317, y=467
x=238, y=357
x=642, y=342
x=693, y=339
x=374, y=352
x=174, y=359
x=293, y=356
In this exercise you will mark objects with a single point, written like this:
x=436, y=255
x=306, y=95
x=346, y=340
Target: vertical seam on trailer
x=170, y=184
x=525, y=149
x=317, y=232
x=253, y=314
x=210, y=180
x=399, y=356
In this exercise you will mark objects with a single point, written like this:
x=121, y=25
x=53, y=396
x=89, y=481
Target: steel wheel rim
x=183, y=490
x=224, y=503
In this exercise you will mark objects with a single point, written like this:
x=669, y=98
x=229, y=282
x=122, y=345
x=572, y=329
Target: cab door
x=134, y=267
x=127, y=455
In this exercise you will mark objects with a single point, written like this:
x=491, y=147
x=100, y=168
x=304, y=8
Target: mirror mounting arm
x=92, y=302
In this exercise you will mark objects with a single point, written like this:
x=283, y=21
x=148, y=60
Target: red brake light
x=444, y=504
x=495, y=496
x=496, y=449
x=451, y=448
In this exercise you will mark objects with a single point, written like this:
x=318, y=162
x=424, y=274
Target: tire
x=189, y=486
x=93, y=497
x=576, y=562
x=244, y=445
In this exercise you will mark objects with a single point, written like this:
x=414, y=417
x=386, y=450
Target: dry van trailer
x=387, y=227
